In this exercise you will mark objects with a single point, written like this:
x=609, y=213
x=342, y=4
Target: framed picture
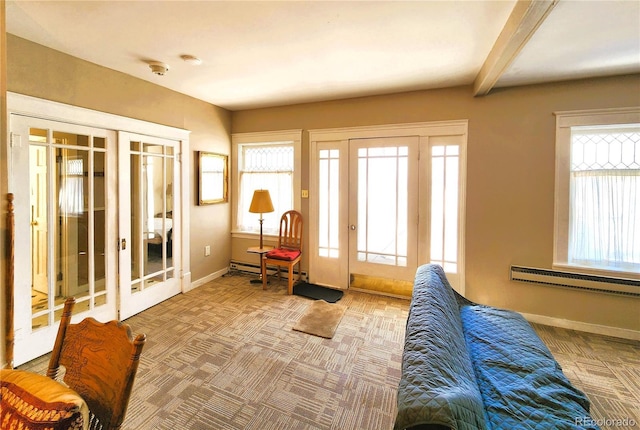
x=213, y=178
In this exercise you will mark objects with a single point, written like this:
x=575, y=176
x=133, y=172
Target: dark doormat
x=317, y=292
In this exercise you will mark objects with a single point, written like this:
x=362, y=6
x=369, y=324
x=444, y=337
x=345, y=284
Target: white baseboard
x=582, y=326
x=208, y=278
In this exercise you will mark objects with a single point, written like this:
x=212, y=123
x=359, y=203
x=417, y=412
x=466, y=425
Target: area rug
x=321, y=319
x=317, y=292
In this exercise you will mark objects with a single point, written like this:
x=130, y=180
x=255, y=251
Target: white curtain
x=605, y=218
x=280, y=186
x=71, y=195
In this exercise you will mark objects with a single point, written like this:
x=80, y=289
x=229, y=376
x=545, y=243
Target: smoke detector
x=194, y=61
x=158, y=68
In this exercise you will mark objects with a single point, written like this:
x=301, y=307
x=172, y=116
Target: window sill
x=588, y=270
x=237, y=234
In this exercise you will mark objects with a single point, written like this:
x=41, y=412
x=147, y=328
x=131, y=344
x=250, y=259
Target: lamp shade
x=261, y=202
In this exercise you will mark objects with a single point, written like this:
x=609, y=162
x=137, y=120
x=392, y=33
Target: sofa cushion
x=32, y=401
x=521, y=383
x=438, y=385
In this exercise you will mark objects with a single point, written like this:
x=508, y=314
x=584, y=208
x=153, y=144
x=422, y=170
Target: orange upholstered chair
x=289, y=250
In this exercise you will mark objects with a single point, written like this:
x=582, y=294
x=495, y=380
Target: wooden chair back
x=290, y=230
x=100, y=361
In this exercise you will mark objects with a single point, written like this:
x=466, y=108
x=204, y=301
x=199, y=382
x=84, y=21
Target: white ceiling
x=263, y=53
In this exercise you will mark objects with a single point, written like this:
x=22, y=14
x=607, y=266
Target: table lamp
x=260, y=204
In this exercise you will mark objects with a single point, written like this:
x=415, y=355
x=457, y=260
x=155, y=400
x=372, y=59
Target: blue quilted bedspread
x=467, y=366
x=522, y=385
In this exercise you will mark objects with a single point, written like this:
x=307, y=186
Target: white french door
x=386, y=200
x=150, y=234
x=81, y=191
x=383, y=207
x=60, y=177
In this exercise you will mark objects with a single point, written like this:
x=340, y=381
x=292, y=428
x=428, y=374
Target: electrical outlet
x=207, y=251
x=305, y=194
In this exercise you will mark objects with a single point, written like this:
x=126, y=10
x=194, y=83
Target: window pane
x=265, y=167
x=605, y=186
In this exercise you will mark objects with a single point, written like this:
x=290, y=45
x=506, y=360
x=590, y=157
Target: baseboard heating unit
x=254, y=268
x=603, y=284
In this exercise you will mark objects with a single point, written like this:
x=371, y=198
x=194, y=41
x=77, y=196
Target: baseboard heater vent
x=254, y=268
x=603, y=284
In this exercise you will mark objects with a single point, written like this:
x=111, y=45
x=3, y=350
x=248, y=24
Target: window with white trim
x=268, y=161
x=598, y=191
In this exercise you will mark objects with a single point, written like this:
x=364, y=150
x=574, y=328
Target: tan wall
x=37, y=71
x=510, y=180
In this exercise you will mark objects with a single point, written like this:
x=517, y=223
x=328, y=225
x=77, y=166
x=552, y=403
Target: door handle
x=352, y=227
x=34, y=222
x=123, y=244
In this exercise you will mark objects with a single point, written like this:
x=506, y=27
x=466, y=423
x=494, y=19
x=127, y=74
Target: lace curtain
x=605, y=194
x=605, y=227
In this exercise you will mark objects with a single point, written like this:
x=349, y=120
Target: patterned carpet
x=224, y=356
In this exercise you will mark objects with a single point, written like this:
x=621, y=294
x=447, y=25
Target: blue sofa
x=468, y=366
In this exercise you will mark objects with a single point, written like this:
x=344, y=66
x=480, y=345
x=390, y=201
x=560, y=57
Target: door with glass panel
x=62, y=226
x=150, y=236
x=383, y=207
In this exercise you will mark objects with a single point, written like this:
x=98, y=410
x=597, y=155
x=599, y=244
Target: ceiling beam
x=526, y=17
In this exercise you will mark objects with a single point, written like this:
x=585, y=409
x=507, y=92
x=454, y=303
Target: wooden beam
x=526, y=17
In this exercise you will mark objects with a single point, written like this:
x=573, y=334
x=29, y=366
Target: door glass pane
x=38, y=173
x=71, y=230
x=445, y=170
x=152, y=197
x=67, y=183
x=168, y=214
x=382, y=205
x=152, y=212
x=328, y=198
x=136, y=233
x=62, y=138
x=99, y=222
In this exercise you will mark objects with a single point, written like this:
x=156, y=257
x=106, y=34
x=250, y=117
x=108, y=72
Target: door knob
x=34, y=222
x=352, y=227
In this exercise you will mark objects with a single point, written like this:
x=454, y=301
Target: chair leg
x=263, y=272
x=290, y=279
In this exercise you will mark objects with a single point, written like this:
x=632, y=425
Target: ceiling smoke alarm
x=195, y=61
x=158, y=68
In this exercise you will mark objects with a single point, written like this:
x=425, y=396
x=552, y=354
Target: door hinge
x=16, y=140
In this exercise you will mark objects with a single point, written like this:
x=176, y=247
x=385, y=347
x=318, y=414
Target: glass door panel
x=383, y=220
x=148, y=223
x=67, y=225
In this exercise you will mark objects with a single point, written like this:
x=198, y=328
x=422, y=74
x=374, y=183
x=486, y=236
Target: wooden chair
x=289, y=250
x=100, y=361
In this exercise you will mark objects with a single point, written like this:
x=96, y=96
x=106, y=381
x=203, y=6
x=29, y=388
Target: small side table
x=260, y=252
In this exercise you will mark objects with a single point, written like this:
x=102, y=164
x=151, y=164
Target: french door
x=383, y=219
x=386, y=200
x=98, y=217
x=149, y=240
x=60, y=177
